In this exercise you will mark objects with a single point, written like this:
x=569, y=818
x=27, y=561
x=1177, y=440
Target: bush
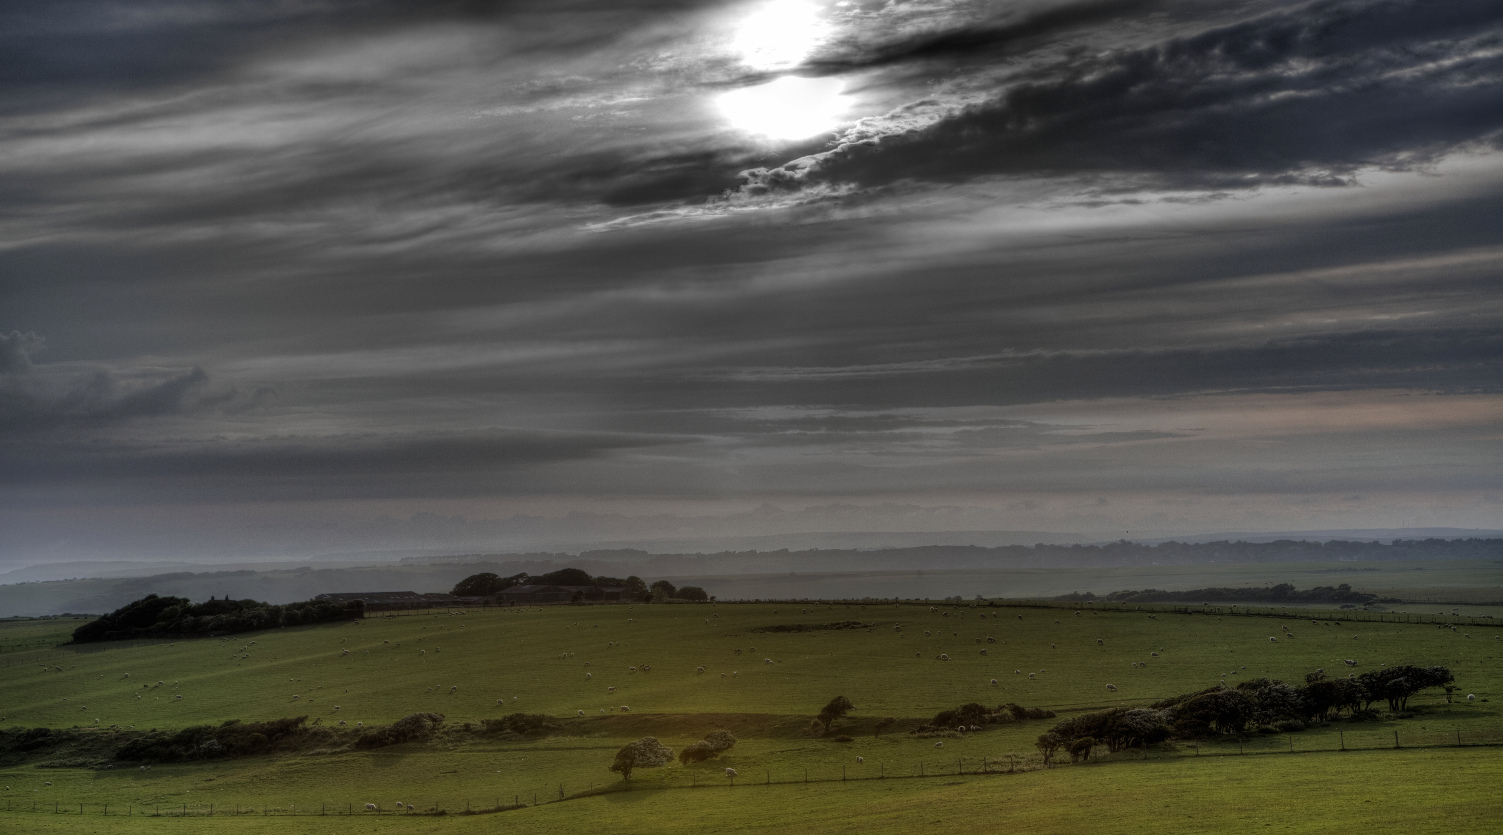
x=521, y=724
x=713, y=745
x=693, y=593
x=414, y=727
x=201, y=742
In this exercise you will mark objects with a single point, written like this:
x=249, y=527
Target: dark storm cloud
x=346, y=466
x=87, y=397
x=1309, y=95
x=975, y=40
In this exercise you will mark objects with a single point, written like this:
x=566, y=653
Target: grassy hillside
x=561, y=660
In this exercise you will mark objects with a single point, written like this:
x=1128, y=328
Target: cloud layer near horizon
x=1065, y=265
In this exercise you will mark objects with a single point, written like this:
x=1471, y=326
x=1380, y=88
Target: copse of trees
x=1281, y=593
x=486, y=583
x=1267, y=705
x=153, y=616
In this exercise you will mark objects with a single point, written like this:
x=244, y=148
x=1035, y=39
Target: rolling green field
x=562, y=660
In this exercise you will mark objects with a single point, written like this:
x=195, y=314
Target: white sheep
x=579, y=712
x=939, y=744
x=1272, y=640
x=1112, y=687
x=1030, y=675
x=588, y=676
x=610, y=689
x=731, y=773
x=453, y=690
x=1349, y=662
x=370, y=807
x=625, y=709
x=860, y=760
x=943, y=657
x=1471, y=697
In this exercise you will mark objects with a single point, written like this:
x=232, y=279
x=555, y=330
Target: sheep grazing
x=370, y=807
x=994, y=682
x=860, y=760
x=1100, y=643
x=1272, y=640
x=1030, y=675
x=1349, y=662
x=1112, y=687
x=731, y=773
x=939, y=744
x=767, y=661
x=454, y=689
x=699, y=669
x=342, y=722
x=608, y=690
x=588, y=676
x=631, y=670
x=579, y=712
x=943, y=657
x=359, y=724
x=983, y=652
x=336, y=707
x=1018, y=672
x=1154, y=654
x=1052, y=646
x=625, y=709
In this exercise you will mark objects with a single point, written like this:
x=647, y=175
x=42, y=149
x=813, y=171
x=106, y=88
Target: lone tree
x=836, y=709
x=646, y=752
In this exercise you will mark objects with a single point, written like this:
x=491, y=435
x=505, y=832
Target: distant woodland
x=790, y=569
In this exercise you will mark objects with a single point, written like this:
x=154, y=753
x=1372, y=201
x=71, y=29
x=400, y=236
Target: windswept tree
x=646, y=752
x=1396, y=684
x=836, y=709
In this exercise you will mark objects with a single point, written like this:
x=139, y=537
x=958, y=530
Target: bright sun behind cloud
x=779, y=34
x=786, y=108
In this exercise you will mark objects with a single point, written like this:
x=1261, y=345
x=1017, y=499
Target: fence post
x=1395, y=739
x=1342, y=734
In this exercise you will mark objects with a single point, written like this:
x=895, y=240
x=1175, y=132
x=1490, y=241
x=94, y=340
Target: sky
x=302, y=277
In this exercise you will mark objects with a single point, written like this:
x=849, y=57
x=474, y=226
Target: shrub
x=837, y=708
x=1080, y=749
x=414, y=727
x=521, y=724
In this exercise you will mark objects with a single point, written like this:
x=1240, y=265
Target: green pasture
x=1414, y=790
x=561, y=660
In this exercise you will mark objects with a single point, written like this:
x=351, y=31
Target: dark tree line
x=487, y=583
x=1281, y=593
x=1262, y=704
x=163, y=617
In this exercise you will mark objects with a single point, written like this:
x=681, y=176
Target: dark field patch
x=813, y=627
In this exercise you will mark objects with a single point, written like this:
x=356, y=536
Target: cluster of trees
x=414, y=727
x=713, y=745
x=153, y=616
x=1281, y=593
x=201, y=742
x=663, y=591
x=486, y=583
x=978, y=714
x=1264, y=704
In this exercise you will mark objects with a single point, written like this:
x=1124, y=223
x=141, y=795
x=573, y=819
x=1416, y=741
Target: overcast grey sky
x=301, y=276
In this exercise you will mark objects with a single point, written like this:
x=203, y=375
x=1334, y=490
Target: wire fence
x=1368, y=740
